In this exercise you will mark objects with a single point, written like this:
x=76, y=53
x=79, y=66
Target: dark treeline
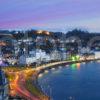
x=57, y=35
x=85, y=36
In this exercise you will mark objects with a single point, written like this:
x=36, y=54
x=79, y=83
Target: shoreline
x=54, y=65
x=32, y=75
x=42, y=68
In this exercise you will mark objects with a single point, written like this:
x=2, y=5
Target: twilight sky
x=53, y=15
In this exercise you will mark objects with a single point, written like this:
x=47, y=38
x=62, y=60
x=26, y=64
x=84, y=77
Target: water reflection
x=81, y=84
x=78, y=65
x=75, y=66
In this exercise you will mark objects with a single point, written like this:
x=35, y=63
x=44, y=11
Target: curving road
x=18, y=84
x=19, y=88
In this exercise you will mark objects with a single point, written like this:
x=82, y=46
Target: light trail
x=18, y=87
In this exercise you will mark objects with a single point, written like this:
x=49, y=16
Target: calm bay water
x=73, y=82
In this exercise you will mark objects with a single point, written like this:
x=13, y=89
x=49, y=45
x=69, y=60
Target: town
x=37, y=47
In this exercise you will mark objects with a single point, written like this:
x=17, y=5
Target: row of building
x=41, y=49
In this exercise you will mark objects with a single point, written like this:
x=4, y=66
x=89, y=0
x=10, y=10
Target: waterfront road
x=19, y=87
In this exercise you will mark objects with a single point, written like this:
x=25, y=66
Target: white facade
x=55, y=55
x=11, y=61
x=26, y=60
x=85, y=50
x=38, y=57
x=40, y=54
x=97, y=54
x=30, y=60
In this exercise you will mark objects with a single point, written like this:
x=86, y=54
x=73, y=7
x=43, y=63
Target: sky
x=52, y=15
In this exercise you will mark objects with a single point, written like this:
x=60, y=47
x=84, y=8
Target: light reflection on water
x=75, y=82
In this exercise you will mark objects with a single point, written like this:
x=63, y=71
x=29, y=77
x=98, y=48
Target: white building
x=85, y=50
x=26, y=60
x=97, y=54
x=11, y=61
x=55, y=55
x=38, y=57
